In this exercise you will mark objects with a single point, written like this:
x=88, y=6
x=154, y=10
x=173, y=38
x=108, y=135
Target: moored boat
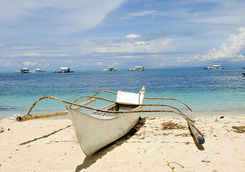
x=37, y=70
x=137, y=68
x=213, y=67
x=24, y=70
x=110, y=69
x=63, y=70
x=105, y=125
x=100, y=129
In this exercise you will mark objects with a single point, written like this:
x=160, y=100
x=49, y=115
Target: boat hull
x=94, y=133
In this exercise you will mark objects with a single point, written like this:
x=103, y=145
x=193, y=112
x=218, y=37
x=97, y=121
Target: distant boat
x=39, y=70
x=24, y=70
x=137, y=68
x=110, y=69
x=63, y=70
x=214, y=67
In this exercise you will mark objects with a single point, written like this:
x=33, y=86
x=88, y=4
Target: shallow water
x=203, y=90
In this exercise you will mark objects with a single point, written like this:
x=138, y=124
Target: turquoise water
x=203, y=90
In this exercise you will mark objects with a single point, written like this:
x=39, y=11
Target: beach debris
x=169, y=164
x=183, y=134
x=1, y=129
x=238, y=129
x=171, y=125
x=187, y=143
x=13, y=117
x=166, y=134
x=142, y=136
x=172, y=168
x=221, y=117
x=8, y=129
x=206, y=161
x=151, y=118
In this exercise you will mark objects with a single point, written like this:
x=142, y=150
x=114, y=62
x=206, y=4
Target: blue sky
x=94, y=34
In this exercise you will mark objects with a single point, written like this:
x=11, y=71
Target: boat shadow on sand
x=89, y=160
x=44, y=136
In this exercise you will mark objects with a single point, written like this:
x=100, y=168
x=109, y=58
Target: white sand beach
x=51, y=145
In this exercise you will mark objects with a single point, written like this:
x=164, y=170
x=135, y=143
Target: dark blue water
x=203, y=90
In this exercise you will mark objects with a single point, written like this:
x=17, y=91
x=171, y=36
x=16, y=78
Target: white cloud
x=101, y=49
x=5, y=63
x=64, y=16
x=29, y=63
x=35, y=54
x=160, y=45
x=143, y=13
x=68, y=61
x=99, y=64
x=223, y=12
x=231, y=48
x=127, y=57
x=162, y=64
x=132, y=36
x=166, y=42
x=139, y=46
x=140, y=43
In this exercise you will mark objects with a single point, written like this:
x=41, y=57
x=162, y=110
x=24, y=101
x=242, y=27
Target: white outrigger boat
x=106, y=125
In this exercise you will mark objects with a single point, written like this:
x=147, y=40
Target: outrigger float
x=105, y=125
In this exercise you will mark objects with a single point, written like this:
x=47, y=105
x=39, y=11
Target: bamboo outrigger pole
x=198, y=136
x=160, y=98
x=89, y=100
x=84, y=105
x=29, y=116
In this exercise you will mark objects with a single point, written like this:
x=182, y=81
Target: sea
x=205, y=91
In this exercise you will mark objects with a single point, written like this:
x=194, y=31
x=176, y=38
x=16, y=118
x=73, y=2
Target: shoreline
x=51, y=145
